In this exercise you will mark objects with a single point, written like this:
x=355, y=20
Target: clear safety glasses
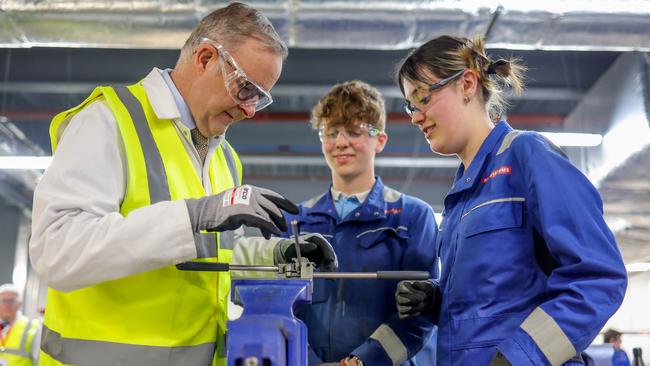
x=411, y=109
x=355, y=133
x=241, y=89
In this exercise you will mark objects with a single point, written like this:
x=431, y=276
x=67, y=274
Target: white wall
x=633, y=317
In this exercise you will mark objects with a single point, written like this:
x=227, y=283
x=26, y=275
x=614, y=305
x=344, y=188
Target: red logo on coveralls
x=393, y=211
x=497, y=171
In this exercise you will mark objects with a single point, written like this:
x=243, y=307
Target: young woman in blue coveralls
x=371, y=227
x=530, y=271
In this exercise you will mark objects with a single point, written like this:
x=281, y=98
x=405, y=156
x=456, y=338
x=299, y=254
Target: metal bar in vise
x=223, y=267
x=294, y=228
x=379, y=275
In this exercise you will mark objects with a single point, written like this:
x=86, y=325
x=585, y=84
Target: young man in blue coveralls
x=372, y=227
x=530, y=272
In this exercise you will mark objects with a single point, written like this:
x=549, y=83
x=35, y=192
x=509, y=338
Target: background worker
x=142, y=178
x=530, y=270
x=372, y=227
x=19, y=335
x=614, y=337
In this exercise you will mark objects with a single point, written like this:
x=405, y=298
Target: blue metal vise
x=267, y=333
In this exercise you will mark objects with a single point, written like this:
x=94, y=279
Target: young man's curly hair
x=350, y=102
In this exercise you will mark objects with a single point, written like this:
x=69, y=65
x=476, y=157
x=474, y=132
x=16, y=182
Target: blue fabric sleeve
x=420, y=254
x=589, y=282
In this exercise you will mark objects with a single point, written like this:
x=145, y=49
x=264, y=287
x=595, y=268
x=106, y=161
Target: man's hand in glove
x=312, y=246
x=416, y=298
x=245, y=205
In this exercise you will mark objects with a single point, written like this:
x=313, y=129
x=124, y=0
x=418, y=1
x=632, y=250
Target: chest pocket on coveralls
x=488, y=244
x=382, y=248
x=489, y=247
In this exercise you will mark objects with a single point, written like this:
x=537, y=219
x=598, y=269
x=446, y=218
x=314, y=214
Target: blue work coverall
x=388, y=231
x=529, y=267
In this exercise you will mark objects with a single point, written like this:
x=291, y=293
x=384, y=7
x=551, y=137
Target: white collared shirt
x=361, y=196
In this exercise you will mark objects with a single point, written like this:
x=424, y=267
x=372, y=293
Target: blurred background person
x=614, y=338
x=19, y=335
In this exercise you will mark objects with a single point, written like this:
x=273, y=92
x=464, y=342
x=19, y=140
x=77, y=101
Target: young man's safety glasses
x=241, y=89
x=351, y=133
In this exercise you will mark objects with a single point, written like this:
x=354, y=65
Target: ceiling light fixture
x=25, y=162
x=638, y=267
x=574, y=139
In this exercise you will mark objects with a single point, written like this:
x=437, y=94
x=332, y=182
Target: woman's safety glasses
x=241, y=89
x=355, y=133
x=411, y=109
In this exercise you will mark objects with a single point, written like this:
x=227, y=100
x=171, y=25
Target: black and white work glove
x=312, y=246
x=245, y=205
x=415, y=298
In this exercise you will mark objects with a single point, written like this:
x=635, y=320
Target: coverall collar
x=466, y=179
x=372, y=208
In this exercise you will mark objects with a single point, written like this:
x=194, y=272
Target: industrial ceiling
x=54, y=52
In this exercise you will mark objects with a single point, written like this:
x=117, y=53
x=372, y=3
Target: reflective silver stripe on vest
x=22, y=349
x=507, y=141
x=549, y=337
x=16, y=352
x=156, y=176
x=80, y=352
x=227, y=238
x=230, y=160
x=391, y=343
x=23, y=340
x=206, y=246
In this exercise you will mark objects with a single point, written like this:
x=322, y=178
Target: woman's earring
x=466, y=100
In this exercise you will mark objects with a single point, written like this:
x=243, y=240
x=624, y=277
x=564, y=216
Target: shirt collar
x=361, y=196
x=168, y=103
x=465, y=179
x=186, y=115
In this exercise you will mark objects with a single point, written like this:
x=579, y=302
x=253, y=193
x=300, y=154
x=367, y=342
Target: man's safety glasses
x=411, y=109
x=9, y=301
x=354, y=133
x=241, y=89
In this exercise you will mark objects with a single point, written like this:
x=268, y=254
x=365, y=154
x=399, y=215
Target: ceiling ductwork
x=165, y=24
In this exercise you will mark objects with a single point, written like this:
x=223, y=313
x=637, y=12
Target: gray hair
x=10, y=287
x=232, y=25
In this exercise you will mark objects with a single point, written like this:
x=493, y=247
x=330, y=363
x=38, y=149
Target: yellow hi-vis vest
x=16, y=348
x=163, y=317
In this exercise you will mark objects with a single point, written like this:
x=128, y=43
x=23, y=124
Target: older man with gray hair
x=19, y=335
x=142, y=178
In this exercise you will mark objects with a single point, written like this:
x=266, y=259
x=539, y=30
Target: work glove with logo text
x=312, y=246
x=415, y=298
x=245, y=205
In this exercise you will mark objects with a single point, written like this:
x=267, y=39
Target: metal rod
x=381, y=275
x=362, y=275
x=294, y=227
x=237, y=267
